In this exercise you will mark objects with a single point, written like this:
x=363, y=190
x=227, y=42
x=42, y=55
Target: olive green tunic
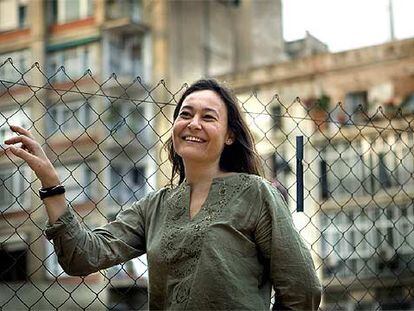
x=240, y=244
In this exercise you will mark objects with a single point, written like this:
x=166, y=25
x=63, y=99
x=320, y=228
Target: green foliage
x=323, y=102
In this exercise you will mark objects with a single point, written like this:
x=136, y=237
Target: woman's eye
x=209, y=117
x=184, y=114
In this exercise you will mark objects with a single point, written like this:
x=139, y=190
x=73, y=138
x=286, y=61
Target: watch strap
x=51, y=191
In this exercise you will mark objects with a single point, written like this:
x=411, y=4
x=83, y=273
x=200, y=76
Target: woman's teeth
x=194, y=139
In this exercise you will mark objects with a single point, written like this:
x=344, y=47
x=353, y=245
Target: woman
x=219, y=240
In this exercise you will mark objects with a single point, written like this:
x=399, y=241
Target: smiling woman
x=221, y=239
x=209, y=111
x=200, y=131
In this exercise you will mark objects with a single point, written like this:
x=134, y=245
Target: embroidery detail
x=182, y=239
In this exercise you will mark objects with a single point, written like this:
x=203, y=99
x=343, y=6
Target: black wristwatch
x=51, y=191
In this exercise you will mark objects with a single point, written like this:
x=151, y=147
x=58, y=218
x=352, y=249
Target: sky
x=347, y=24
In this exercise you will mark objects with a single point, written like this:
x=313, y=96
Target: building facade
x=355, y=113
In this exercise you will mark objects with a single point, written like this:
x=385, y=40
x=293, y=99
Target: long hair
x=241, y=155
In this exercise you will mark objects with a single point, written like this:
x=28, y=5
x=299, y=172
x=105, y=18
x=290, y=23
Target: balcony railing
x=124, y=9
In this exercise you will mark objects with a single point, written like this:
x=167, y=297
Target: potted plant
x=318, y=110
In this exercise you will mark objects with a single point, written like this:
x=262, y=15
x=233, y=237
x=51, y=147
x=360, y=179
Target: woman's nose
x=194, y=124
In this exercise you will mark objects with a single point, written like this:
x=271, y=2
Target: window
x=276, y=117
x=13, y=72
x=18, y=116
x=134, y=269
x=69, y=118
x=406, y=159
x=75, y=60
x=13, y=14
x=324, y=179
x=126, y=117
x=127, y=184
x=281, y=170
x=366, y=241
x=13, y=258
x=53, y=268
x=342, y=166
x=126, y=54
x=64, y=11
x=13, y=189
x=79, y=180
x=355, y=101
x=366, y=168
x=124, y=8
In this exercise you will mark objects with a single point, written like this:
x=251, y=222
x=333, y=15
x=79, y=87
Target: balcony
x=123, y=15
x=126, y=55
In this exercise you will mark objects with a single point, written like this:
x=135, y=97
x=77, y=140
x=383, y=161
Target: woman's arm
x=81, y=251
x=291, y=267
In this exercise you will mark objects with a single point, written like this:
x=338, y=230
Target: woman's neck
x=201, y=174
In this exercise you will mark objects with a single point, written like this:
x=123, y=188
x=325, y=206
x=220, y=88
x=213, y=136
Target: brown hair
x=241, y=155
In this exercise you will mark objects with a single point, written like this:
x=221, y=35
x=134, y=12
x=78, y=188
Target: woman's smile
x=193, y=139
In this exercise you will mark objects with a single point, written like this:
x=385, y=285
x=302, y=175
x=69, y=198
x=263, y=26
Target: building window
x=356, y=101
x=13, y=189
x=64, y=11
x=383, y=172
x=22, y=11
x=132, y=269
x=406, y=158
x=125, y=53
x=127, y=184
x=80, y=181
x=53, y=268
x=13, y=258
x=324, y=179
x=365, y=168
x=342, y=165
x=18, y=116
x=124, y=8
x=68, y=118
x=276, y=112
x=75, y=60
x=13, y=14
x=366, y=242
x=13, y=72
x=125, y=117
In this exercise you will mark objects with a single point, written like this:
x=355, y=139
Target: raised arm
x=80, y=251
x=27, y=148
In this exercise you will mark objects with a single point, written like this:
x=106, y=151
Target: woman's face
x=200, y=131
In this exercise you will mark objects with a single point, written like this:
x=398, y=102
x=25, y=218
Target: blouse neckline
x=219, y=179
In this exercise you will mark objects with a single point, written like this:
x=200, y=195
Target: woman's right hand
x=32, y=153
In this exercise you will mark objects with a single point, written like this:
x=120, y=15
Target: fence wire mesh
x=105, y=140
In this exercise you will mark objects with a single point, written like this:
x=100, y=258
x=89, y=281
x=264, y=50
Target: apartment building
x=358, y=164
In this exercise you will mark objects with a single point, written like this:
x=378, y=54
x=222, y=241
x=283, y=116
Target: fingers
x=22, y=131
x=25, y=155
x=28, y=143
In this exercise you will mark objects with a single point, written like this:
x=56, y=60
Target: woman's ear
x=230, y=139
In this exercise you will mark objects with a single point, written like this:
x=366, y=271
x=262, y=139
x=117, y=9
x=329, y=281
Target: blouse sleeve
x=81, y=251
x=291, y=267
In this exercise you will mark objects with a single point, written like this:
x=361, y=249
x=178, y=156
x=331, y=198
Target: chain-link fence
x=105, y=139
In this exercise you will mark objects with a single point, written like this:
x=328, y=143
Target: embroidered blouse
x=228, y=256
